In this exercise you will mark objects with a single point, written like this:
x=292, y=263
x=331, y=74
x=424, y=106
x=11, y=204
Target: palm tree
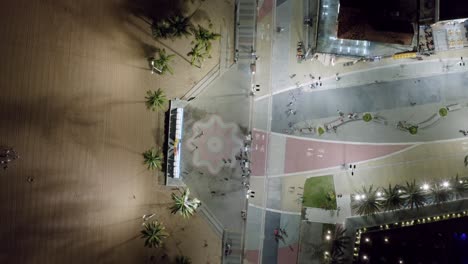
x=180, y=25
x=339, y=241
x=154, y=234
x=415, y=197
x=393, y=198
x=334, y=258
x=155, y=99
x=161, y=64
x=332, y=253
x=367, y=203
x=198, y=55
x=439, y=194
x=183, y=260
x=153, y=159
x=184, y=205
x=161, y=29
x=203, y=37
x=459, y=187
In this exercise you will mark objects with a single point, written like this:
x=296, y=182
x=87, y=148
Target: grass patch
x=319, y=192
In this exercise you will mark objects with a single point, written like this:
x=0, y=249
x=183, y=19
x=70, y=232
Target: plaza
x=295, y=100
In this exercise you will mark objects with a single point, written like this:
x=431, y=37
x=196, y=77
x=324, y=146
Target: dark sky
x=453, y=9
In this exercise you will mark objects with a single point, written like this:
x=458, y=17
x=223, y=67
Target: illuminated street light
x=425, y=187
x=327, y=237
x=445, y=184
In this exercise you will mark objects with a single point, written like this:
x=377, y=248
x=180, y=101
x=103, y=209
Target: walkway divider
x=203, y=83
x=212, y=220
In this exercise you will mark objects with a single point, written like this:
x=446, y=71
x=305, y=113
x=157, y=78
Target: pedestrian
x=227, y=250
x=243, y=214
x=283, y=232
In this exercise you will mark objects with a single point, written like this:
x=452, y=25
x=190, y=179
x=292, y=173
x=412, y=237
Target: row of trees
x=372, y=200
x=154, y=232
x=154, y=100
x=177, y=26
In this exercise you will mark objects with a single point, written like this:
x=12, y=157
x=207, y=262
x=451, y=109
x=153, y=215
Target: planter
x=367, y=117
x=320, y=130
x=443, y=111
x=413, y=130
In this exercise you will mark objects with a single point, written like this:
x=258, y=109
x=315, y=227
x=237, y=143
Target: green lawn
x=319, y=192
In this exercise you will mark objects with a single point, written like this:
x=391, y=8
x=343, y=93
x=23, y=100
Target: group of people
x=7, y=155
x=429, y=43
x=351, y=115
x=280, y=234
x=243, y=156
x=318, y=81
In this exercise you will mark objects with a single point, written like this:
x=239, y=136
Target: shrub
x=320, y=130
x=367, y=117
x=443, y=111
x=413, y=130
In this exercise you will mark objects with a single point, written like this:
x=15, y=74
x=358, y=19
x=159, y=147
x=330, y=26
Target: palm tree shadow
x=200, y=15
x=149, y=50
x=155, y=10
x=114, y=144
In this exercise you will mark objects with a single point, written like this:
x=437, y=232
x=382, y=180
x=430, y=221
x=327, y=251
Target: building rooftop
x=389, y=22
